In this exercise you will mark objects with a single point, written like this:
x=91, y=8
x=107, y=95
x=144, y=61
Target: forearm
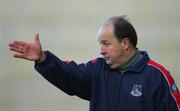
x=67, y=77
x=50, y=68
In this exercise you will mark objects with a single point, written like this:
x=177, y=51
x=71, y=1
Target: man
x=125, y=79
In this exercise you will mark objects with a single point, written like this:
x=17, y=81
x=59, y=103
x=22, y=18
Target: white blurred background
x=68, y=28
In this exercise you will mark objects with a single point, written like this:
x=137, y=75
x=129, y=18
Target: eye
x=106, y=43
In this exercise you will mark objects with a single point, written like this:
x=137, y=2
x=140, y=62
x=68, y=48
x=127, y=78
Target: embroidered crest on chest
x=136, y=90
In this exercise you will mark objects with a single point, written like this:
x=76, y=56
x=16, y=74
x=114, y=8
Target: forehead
x=106, y=32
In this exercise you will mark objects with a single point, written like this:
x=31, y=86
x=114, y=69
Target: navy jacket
x=146, y=86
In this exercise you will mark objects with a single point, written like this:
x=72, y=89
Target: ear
x=126, y=43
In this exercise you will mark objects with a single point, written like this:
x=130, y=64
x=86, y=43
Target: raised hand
x=28, y=51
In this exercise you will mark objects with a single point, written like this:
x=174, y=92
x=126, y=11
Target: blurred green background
x=69, y=28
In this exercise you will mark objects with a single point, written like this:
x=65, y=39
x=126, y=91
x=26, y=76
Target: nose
x=103, y=51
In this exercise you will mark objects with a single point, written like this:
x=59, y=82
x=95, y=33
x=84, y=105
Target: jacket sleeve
x=72, y=78
x=167, y=95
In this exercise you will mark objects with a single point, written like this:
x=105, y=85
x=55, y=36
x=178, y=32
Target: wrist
x=42, y=57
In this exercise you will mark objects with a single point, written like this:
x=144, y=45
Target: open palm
x=29, y=51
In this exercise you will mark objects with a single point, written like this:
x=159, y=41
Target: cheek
x=116, y=52
x=112, y=52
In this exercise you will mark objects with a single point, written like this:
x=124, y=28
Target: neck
x=130, y=61
x=129, y=54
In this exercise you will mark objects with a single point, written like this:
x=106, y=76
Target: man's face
x=111, y=49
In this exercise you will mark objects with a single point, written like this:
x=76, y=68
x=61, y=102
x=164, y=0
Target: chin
x=111, y=65
x=108, y=63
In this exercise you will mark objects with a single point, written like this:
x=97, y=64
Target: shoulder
x=162, y=71
x=97, y=61
x=158, y=67
x=96, y=64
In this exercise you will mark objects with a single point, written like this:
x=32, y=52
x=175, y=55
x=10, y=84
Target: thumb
x=37, y=41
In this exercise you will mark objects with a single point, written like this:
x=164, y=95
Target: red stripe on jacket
x=166, y=74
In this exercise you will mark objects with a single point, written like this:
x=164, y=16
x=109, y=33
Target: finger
x=19, y=56
x=19, y=43
x=13, y=45
x=16, y=46
x=37, y=41
x=16, y=49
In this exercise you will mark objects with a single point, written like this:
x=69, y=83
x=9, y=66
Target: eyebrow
x=103, y=41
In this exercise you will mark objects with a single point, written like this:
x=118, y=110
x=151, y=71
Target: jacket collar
x=140, y=63
x=135, y=64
